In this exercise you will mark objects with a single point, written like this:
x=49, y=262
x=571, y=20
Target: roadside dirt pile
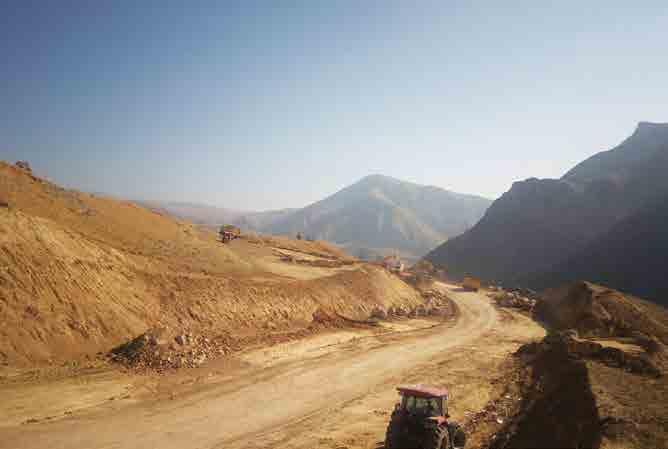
x=598, y=380
x=578, y=393
x=558, y=407
x=81, y=275
x=435, y=304
x=590, y=350
x=160, y=351
x=596, y=311
x=513, y=300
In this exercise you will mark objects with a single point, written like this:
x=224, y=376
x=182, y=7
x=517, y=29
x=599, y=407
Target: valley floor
x=330, y=391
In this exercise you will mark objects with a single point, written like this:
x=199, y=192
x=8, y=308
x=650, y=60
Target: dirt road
x=338, y=395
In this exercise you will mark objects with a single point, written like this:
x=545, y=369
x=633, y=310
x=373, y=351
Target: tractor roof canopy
x=422, y=391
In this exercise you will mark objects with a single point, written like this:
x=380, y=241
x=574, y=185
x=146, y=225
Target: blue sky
x=259, y=105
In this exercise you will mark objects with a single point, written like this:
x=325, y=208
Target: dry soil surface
x=337, y=394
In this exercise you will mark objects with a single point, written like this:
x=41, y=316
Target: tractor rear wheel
x=457, y=435
x=437, y=438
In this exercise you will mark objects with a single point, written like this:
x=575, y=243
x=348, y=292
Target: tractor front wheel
x=392, y=436
x=437, y=438
x=457, y=435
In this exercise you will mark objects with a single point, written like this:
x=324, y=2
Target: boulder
x=23, y=165
x=378, y=313
x=420, y=310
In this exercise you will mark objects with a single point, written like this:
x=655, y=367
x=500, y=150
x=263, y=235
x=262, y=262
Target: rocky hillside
x=539, y=224
x=383, y=214
x=80, y=274
x=630, y=257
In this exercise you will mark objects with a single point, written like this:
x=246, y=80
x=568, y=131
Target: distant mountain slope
x=258, y=221
x=630, y=257
x=384, y=213
x=195, y=213
x=541, y=223
x=213, y=217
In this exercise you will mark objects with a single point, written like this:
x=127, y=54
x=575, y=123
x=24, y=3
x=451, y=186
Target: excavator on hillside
x=228, y=233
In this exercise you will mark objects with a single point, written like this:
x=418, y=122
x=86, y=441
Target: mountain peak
x=651, y=130
x=651, y=125
x=379, y=213
x=376, y=178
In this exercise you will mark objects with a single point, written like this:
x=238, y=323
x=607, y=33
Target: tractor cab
x=420, y=419
x=424, y=401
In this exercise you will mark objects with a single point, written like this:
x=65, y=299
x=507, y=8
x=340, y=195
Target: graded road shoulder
x=259, y=404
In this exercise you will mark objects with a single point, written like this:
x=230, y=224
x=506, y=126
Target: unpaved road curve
x=239, y=411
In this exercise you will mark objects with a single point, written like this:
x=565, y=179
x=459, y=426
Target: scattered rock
x=155, y=351
x=23, y=165
x=514, y=300
x=400, y=311
x=615, y=428
x=378, y=313
x=572, y=333
x=322, y=316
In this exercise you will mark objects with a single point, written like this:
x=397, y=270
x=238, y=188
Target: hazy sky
x=272, y=104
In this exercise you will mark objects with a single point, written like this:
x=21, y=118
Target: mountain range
x=379, y=214
x=604, y=220
x=375, y=216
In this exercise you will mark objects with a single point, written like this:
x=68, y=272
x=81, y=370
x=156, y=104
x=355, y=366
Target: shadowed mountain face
x=539, y=224
x=630, y=257
x=380, y=214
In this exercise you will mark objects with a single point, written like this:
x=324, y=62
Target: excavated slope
x=599, y=311
x=81, y=274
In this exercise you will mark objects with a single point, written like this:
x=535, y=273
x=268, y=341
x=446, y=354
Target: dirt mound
x=558, y=409
x=571, y=397
x=594, y=310
x=514, y=300
x=589, y=350
x=81, y=275
x=160, y=350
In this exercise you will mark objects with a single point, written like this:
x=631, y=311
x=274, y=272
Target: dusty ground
x=330, y=391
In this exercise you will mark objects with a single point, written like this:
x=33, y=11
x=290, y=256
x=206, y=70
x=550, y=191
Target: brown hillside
x=599, y=311
x=81, y=274
x=604, y=386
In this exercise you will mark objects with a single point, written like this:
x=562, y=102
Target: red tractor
x=420, y=420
